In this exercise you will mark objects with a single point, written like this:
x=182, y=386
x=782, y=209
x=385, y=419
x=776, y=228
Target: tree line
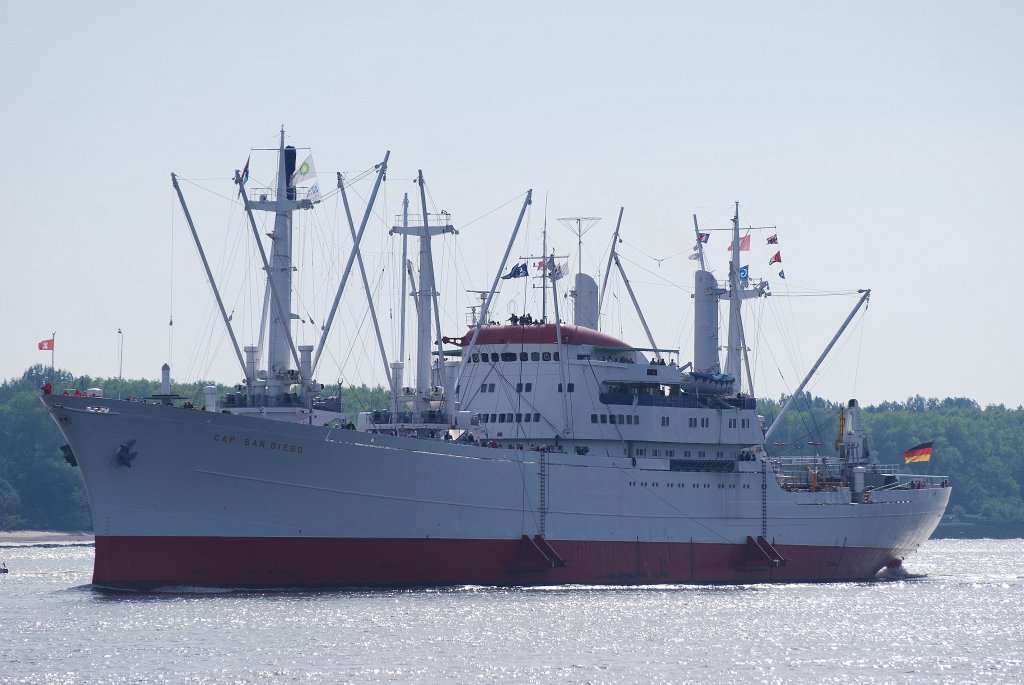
x=980, y=449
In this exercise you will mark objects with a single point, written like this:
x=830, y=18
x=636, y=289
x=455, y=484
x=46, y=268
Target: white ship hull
x=225, y=500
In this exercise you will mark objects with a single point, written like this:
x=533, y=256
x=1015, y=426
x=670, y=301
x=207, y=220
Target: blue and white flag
x=745, y=273
x=518, y=271
x=782, y=274
x=313, y=194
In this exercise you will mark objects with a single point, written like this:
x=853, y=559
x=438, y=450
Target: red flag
x=777, y=257
x=744, y=244
x=46, y=344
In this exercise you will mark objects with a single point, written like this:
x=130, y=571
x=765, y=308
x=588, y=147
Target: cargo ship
x=527, y=452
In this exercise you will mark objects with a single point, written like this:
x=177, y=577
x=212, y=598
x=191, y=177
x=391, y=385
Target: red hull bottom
x=143, y=563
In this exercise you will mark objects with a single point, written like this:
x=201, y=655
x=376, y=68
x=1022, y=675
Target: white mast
x=425, y=294
x=735, y=345
x=280, y=275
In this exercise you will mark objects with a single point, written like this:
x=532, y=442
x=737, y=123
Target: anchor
x=125, y=456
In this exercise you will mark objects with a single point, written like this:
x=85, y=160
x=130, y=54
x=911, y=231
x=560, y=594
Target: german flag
x=922, y=452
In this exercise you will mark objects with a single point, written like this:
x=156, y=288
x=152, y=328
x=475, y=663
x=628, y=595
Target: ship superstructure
x=526, y=452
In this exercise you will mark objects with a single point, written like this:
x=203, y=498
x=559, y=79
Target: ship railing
x=440, y=219
x=384, y=419
x=911, y=481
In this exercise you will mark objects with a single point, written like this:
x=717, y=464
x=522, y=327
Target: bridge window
x=483, y=387
x=519, y=418
x=476, y=357
x=529, y=387
x=536, y=417
x=556, y=356
x=571, y=387
x=546, y=356
x=611, y=418
x=535, y=356
x=523, y=356
x=593, y=418
x=527, y=417
x=509, y=356
x=621, y=417
x=490, y=387
x=691, y=422
x=604, y=418
x=494, y=418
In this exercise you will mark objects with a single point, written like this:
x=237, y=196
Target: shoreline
x=44, y=536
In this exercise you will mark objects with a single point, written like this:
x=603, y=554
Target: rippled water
x=961, y=623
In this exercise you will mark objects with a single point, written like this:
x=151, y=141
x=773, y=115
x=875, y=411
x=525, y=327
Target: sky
x=881, y=141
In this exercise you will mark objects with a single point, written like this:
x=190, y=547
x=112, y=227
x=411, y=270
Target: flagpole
x=120, y=360
x=53, y=354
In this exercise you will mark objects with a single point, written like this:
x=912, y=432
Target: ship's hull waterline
x=147, y=563
x=189, y=498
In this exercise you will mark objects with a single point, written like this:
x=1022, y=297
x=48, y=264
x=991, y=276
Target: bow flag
x=695, y=256
x=773, y=239
x=305, y=172
x=518, y=271
x=703, y=237
x=46, y=344
x=744, y=244
x=745, y=273
x=777, y=257
x=782, y=274
x=245, y=171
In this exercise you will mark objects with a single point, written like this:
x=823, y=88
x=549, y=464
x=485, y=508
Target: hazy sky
x=884, y=140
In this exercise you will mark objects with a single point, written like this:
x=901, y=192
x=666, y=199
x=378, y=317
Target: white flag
x=313, y=194
x=558, y=271
x=305, y=172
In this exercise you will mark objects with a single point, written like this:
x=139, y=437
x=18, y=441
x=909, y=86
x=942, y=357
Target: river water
x=960, y=622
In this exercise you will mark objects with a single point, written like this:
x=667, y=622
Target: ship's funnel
x=586, y=313
x=705, y=324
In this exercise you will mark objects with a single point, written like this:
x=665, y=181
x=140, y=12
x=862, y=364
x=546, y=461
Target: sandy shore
x=8, y=537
